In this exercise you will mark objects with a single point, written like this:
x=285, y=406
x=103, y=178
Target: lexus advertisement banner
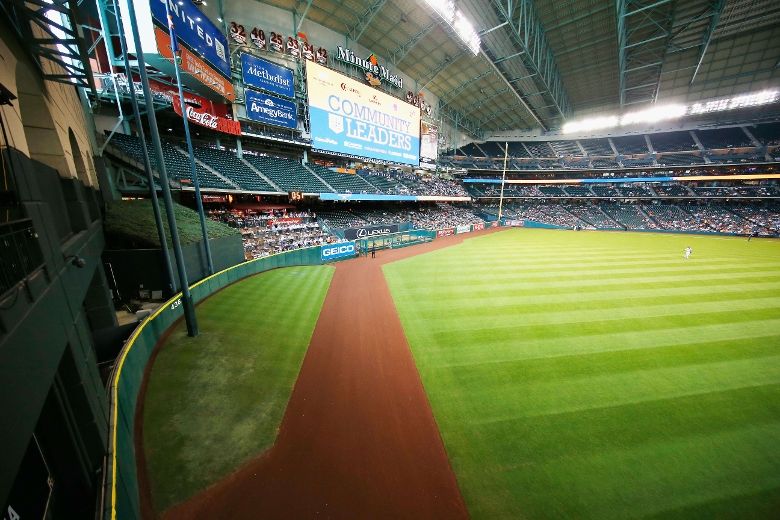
x=370, y=231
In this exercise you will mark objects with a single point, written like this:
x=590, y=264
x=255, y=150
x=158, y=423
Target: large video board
x=429, y=146
x=348, y=117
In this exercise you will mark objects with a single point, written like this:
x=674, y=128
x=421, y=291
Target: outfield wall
x=120, y=498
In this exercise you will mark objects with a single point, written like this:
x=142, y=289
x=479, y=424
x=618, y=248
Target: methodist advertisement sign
x=348, y=117
x=270, y=110
x=429, y=145
x=268, y=76
x=370, y=231
x=195, y=30
x=330, y=252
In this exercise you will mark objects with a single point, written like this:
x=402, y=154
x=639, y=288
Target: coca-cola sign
x=220, y=124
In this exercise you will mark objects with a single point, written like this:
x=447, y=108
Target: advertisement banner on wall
x=429, y=145
x=332, y=252
x=463, y=228
x=284, y=220
x=196, y=31
x=477, y=227
x=348, y=117
x=370, y=231
x=445, y=232
x=270, y=110
x=204, y=118
x=195, y=66
x=264, y=75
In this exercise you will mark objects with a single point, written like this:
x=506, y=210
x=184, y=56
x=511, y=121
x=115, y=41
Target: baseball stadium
x=402, y=259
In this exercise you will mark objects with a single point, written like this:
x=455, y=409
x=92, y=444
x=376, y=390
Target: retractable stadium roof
x=543, y=61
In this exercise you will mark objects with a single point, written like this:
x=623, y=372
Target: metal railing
x=20, y=253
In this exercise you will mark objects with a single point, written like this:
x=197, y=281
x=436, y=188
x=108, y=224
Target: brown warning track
x=358, y=439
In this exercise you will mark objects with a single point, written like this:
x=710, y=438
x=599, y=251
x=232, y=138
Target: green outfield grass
x=600, y=375
x=215, y=401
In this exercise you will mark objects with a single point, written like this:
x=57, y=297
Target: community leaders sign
x=268, y=76
x=350, y=118
x=270, y=110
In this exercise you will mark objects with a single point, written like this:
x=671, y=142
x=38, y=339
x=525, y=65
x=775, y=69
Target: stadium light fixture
x=593, y=123
x=651, y=115
x=458, y=22
x=673, y=111
x=746, y=100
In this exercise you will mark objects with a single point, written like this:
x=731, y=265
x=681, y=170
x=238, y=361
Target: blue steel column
x=147, y=163
x=189, y=308
x=190, y=151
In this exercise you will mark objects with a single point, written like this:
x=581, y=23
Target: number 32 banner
x=351, y=118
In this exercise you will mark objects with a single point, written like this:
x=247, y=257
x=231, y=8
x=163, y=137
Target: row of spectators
x=266, y=232
x=743, y=219
x=269, y=232
x=434, y=216
x=626, y=190
x=398, y=182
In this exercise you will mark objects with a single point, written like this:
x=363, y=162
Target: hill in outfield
x=601, y=375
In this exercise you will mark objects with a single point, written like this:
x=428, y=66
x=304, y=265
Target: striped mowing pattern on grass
x=601, y=375
x=217, y=400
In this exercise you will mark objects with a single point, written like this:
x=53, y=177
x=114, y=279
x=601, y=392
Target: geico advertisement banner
x=335, y=251
x=196, y=30
x=465, y=228
x=352, y=118
x=268, y=76
x=270, y=110
x=370, y=231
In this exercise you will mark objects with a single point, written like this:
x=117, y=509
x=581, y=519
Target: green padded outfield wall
x=121, y=497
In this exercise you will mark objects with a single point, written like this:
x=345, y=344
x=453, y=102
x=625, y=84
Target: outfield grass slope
x=217, y=400
x=601, y=375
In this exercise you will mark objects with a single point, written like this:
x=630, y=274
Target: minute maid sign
x=375, y=73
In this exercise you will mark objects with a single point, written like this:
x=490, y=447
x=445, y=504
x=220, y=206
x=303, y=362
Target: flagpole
x=503, y=179
x=190, y=151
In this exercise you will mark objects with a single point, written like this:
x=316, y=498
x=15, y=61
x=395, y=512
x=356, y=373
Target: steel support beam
x=644, y=33
x=62, y=42
x=400, y=53
x=486, y=100
x=449, y=60
x=356, y=31
x=303, y=15
x=582, y=16
x=717, y=9
x=454, y=93
x=458, y=120
x=528, y=36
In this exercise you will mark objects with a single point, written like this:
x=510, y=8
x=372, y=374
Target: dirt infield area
x=358, y=439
